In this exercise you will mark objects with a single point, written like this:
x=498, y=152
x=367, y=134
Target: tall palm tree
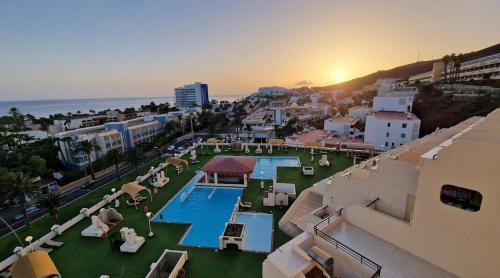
x=446, y=62
x=21, y=184
x=134, y=156
x=453, y=58
x=88, y=147
x=458, y=63
x=115, y=156
x=51, y=202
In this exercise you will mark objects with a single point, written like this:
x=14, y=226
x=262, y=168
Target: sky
x=54, y=49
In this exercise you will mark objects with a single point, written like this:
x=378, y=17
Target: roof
x=392, y=115
x=344, y=120
x=35, y=265
x=230, y=165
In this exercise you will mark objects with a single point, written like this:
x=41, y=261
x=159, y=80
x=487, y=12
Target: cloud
x=303, y=83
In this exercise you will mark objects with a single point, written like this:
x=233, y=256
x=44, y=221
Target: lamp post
x=262, y=180
x=148, y=215
x=29, y=239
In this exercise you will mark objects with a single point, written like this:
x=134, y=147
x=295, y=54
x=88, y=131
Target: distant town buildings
x=271, y=91
x=191, y=95
x=342, y=126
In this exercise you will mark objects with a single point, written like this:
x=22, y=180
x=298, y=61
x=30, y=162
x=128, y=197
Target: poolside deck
x=92, y=257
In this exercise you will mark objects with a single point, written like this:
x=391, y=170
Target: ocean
x=44, y=108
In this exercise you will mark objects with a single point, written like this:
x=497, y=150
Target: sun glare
x=339, y=78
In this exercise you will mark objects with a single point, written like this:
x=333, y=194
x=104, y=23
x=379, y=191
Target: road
x=79, y=192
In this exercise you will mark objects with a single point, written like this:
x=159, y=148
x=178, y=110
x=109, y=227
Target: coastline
x=43, y=108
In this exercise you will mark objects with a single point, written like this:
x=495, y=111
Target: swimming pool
x=258, y=231
x=207, y=209
x=266, y=165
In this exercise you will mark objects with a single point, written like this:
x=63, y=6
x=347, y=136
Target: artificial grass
x=91, y=257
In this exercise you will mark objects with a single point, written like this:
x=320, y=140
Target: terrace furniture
x=96, y=229
x=54, y=243
x=245, y=205
x=132, y=241
x=307, y=171
x=324, y=161
x=110, y=217
x=258, y=150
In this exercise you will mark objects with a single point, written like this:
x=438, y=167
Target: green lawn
x=91, y=257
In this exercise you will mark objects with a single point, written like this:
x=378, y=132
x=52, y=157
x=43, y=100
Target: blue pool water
x=206, y=208
x=266, y=165
x=258, y=231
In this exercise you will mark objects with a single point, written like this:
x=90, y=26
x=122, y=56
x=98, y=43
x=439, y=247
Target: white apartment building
x=144, y=132
x=191, y=95
x=482, y=68
x=431, y=76
x=425, y=209
x=271, y=91
x=397, y=104
x=343, y=126
x=260, y=123
x=360, y=112
x=388, y=129
x=390, y=87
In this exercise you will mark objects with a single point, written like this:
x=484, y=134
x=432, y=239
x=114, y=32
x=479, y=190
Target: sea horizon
x=46, y=107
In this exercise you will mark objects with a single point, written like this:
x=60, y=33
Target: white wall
x=397, y=104
x=376, y=132
x=342, y=129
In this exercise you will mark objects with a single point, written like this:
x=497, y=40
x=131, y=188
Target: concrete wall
x=468, y=241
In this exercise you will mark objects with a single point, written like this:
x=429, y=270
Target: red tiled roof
x=230, y=165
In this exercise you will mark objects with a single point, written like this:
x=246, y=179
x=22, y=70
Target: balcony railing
x=344, y=248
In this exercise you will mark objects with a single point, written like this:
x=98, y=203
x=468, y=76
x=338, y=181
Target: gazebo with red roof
x=229, y=170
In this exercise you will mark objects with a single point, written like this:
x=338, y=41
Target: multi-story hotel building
x=191, y=95
x=483, y=68
x=487, y=67
x=122, y=135
x=425, y=209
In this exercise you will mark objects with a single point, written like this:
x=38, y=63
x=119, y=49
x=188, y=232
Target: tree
x=115, y=157
x=19, y=184
x=446, y=62
x=51, y=202
x=88, y=147
x=134, y=156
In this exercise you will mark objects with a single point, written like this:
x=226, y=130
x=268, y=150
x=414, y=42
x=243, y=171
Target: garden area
x=92, y=257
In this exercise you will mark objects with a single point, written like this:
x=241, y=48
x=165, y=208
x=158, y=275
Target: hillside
x=403, y=72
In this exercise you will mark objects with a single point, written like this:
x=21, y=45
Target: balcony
x=366, y=255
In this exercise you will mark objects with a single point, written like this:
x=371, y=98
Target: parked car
x=171, y=148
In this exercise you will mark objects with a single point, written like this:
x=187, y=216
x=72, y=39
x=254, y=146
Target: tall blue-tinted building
x=191, y=95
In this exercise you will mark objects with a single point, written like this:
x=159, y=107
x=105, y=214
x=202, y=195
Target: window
x=404, y=125
x=460, y=197
x=386, y=144
x=403, y=135
x=388, y=124
x=387, y=134
x=392, y=144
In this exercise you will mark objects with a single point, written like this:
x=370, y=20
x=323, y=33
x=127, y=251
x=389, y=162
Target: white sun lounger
x=54, y=243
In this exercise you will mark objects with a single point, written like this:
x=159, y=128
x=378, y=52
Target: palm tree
x=115, y=156
x=88, y=147
x=51, y=202
x=453, y=57
x=21, y=184
x=134, y=156
x=458, y=63
x=446, y=62
x=67, y=123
